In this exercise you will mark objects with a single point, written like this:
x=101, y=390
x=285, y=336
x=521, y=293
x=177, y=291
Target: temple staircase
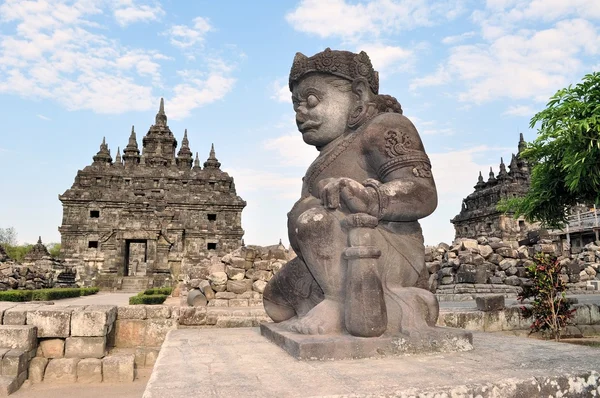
x=134, y=284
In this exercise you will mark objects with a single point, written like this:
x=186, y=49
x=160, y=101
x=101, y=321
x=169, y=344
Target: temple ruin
x=479, y=215
x=138, y=218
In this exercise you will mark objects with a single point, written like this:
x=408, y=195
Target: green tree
x=54, y=249
x=565, y=157
x=18, y=252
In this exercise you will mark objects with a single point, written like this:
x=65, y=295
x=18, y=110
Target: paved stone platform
x=242, y=363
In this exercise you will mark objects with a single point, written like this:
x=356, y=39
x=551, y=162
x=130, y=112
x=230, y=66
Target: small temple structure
x=146, y=212
x=479, y=215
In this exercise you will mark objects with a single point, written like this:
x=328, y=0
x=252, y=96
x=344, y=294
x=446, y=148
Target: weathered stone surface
x=52, y=348
x=130, y=332
x=225, y=295
x=89, y=370
x=217, y=278
x=131, y=312
x=17, y=315
x=235, y=274
x=157, y=329
x=239, y=286
x=118, y=368
x=490, y=303
x=14, y=362
x=37, y=367
x=193, y=316
x=51, y=321
x=85, y=347
x=61, y=370
x=93, y=321
x=158, y=311
x=22, y=337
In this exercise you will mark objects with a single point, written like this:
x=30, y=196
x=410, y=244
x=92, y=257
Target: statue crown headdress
x=345, y=64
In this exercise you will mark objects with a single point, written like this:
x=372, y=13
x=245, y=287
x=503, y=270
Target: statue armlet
x=417, y=160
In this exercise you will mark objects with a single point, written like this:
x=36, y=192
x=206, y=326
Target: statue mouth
x=308, y=126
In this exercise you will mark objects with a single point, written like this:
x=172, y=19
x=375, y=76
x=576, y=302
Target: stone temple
x=479, y=215
x=138, y=218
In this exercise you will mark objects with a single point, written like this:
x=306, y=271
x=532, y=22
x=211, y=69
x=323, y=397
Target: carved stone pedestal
x=345, y=346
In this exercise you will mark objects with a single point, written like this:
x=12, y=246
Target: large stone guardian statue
x=360, y=270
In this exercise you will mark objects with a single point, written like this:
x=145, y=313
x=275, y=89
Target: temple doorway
x=136, y=256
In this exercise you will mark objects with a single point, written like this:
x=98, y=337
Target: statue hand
x=348, y=193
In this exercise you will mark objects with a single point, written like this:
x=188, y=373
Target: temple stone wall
x=492, y=265
x=177, y=210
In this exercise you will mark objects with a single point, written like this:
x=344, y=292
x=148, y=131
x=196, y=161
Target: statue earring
x=358, y=115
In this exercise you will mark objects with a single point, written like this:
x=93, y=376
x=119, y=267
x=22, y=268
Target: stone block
x=513, y=281
x=218, y=303
x=130, y=332
x=14, y=362
x=37, y=367
x=158, y=311
x=259, y=286
x=89, y=370
x=494, y=321
x=217, y=278
x=118, y=368
x=18, y=315
x=239, y=286
x=5, y=306
x=225, y=295
x=238, y=303
x=485, y=251
x=235, y=274
x=594, y=314
x=204, y=286
x=61, y=370
x=93, y=321
x=52, y=348
x=469, y=320
x=193, y=316
x=85, y=347
x=255, y=302
x=51, y=321
x=131, y=312
x=582, y=315
x=156, y=331
x=18, y=337
x=235, y=322
x=490, y=303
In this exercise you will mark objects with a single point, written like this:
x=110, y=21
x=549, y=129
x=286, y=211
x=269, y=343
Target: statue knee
x=315, y=223
x=274, y=307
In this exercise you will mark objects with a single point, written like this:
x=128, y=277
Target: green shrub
x=550, y=310
x=87, y=291
x=15, y=295
x=46, y=294
x=147, y=299
x=157, y=290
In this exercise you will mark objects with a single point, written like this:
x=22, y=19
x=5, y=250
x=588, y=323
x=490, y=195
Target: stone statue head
x=332, y=91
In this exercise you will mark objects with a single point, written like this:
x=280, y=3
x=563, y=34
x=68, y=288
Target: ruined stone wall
x=238, y=279
x=491, y=265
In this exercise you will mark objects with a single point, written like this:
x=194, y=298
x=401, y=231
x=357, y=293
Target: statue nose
x=301, y=117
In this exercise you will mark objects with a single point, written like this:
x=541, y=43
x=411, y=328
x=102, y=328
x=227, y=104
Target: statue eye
x=312, y=101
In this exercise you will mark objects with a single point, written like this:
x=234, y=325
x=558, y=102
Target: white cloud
x=261, y=181
x=458, y=38
x=44, y=117
x=520, y=110
x=137, y=13
x=528, y=64
x=388, y=58
x=292, y=150
x=184, y=36
x=327, y=18
x=198, y=92
x=280, y=91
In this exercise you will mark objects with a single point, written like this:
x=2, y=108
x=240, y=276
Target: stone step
x=8, y=385
x=23, y=337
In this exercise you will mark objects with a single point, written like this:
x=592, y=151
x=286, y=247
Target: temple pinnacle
x=196, y=162
x=39, y=242
x=161, y=117
x=161, y=109
x=212, y=159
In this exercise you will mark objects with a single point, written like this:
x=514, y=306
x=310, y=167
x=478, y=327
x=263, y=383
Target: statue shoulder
x=390, y=128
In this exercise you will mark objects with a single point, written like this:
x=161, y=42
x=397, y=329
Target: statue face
x=322, y=110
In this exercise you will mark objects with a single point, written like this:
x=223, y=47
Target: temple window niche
x=94, y=213
x=211, y=217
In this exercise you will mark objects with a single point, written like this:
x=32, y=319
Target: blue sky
x=470, y=74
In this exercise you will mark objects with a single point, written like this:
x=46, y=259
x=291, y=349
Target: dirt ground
x=96, y=390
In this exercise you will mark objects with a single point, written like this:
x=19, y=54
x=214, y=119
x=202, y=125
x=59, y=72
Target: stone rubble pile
x=490, y=265
x=239, y=278
x=15, y=276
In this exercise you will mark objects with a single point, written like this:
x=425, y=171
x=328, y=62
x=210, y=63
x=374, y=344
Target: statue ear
x=360, y=87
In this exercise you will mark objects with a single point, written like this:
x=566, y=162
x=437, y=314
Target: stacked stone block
x=30, y=277
x=240, y=277
x=490, y=265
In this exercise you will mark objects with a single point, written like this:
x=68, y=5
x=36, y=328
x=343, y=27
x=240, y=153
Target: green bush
x=15, y=295
x=157, y=290
x=147, y=299
x=46, y=294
